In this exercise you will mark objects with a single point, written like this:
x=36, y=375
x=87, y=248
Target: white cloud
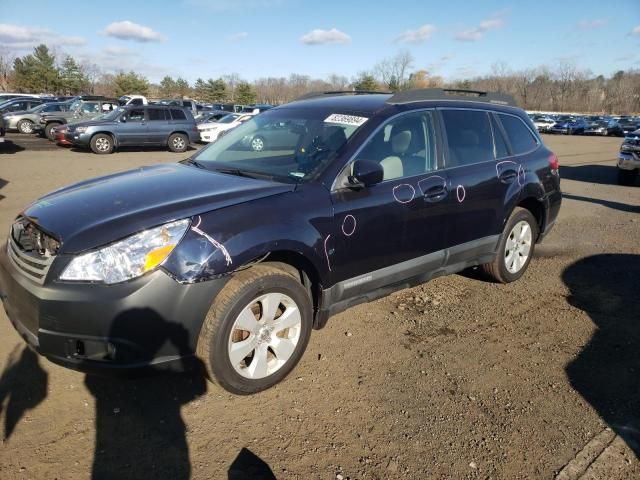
x=636, y=31
x=477, y=33
x=117, y=51
x=236, y=37
x=416, y=36
x=21, y=37
x=592, y=24
x=321, y=37
x=127, y=30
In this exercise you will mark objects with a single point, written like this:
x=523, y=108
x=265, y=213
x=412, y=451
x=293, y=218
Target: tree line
x=559, y=87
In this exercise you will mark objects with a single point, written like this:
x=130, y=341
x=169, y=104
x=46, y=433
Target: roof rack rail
x=338, y=92
x=426, y=94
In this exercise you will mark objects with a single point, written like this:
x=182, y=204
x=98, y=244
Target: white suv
x=209, y=132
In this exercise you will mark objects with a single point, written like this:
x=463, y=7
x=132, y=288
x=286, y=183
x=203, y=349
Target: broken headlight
x=128, y=258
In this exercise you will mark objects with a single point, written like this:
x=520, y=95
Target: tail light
x=553, y=162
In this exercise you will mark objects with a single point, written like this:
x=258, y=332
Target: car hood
x=98, y=211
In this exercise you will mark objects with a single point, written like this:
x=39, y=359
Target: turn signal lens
x=157, y=256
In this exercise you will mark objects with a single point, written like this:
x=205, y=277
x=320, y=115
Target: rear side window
x=520, y=137
x=178, y=114
x=468, y=136
x=156, y=114
x=498, y=139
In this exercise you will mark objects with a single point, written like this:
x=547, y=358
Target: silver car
x=25, y=121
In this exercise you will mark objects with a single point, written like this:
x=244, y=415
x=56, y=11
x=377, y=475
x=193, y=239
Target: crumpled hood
x=98, y=211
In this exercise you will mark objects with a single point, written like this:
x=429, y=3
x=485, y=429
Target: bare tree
x=394, y=71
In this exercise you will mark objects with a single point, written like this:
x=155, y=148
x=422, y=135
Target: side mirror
x=366, y=173
x=123, y=119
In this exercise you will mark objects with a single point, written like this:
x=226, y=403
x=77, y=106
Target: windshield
x=75, y=106
x=288, y=145
x=110, y=115
x=228, y=118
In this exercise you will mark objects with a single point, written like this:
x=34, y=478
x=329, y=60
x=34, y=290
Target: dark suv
x=153, y=125
x=234, y=255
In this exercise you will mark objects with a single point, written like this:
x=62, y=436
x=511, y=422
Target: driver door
x=391, y=231
x=133, y=131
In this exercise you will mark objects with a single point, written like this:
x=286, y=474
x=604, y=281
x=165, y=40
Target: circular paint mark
x=521, y=175
x=461, y=193
x=349, y=225
x=404, y=193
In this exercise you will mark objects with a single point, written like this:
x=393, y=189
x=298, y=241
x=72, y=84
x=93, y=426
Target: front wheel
x=256, y=330
x=101, y=144
x=48, y=130
x=178, y=142
x=515, y=248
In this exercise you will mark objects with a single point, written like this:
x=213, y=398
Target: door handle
x=435, y=194
x=508, y=176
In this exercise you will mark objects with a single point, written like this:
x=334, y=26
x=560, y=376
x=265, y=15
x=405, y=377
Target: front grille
x=31, y=250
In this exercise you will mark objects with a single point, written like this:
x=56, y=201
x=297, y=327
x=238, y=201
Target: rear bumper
x=151, y=321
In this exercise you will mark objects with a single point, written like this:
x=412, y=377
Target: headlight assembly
x=128, y=258
x=81, y=129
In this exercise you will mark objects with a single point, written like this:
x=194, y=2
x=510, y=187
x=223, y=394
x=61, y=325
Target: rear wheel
x=101, y=144
x=178, y=142
x=626, y=177
x=515, y=249
x=257, y=144
x=256, y=330
x=48, y=129
x=25, y=126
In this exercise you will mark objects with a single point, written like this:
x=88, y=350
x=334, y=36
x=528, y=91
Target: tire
x=48, y=128
x=257, y=144
x=247, y=288
x=25, y=126
x=626, y=177
x=102, y=144
x=500, y=269
x=178, y=142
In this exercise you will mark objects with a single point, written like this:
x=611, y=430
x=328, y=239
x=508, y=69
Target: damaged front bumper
x=151, y=321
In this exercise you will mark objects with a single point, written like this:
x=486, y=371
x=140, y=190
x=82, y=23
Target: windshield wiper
x=240, y=173
x=193, y=162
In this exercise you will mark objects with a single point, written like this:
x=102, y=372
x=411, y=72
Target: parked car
x=209, y=132
x=2, y=129
x=10, y=96
x=211, y=116
x=627, y=126
x=597, y=127
x=273, y=136
x=151, y=125
x=188, y=104
x=84, y=108
x=629, y=159
x=24, y=122
x=256, y=108
x=132, y=100
x=19, y=104
x=570, y=127
x=234, y=255
x=543, y=123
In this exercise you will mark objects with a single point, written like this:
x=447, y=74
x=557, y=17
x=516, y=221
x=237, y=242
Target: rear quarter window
x=469, y=137
x=178, y=114
x=520, y=137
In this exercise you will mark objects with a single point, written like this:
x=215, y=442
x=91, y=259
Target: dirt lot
x=458, y=378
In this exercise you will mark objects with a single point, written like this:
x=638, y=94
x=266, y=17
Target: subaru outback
x=234, y=255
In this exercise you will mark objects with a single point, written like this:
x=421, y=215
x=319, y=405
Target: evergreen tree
x=168, y=87
x=73, y=79
x=366, y=83
x=216, y=90
x=182, y=88
x=200, y=90
x=245, y=93
x=37, y=72
x=130, y=84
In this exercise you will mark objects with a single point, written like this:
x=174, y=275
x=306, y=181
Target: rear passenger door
x=476, y=196
x=158, y=128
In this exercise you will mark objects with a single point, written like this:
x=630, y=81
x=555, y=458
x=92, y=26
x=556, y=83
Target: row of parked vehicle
x=104, y=124
x=587, y=125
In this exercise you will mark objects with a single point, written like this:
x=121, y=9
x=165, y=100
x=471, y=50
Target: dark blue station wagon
x=235, y=254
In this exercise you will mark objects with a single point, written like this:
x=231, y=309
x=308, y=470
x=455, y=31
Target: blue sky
x=255, y=38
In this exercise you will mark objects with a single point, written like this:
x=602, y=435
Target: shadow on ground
x=8, y=147
x=623, y=207
x=23, y=385
x=607, y=371
x=248, y=466
x=594, y=173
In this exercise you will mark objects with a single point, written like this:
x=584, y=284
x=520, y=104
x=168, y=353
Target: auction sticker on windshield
x=341, y=119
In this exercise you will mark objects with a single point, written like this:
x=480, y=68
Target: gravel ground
x=457, y=378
